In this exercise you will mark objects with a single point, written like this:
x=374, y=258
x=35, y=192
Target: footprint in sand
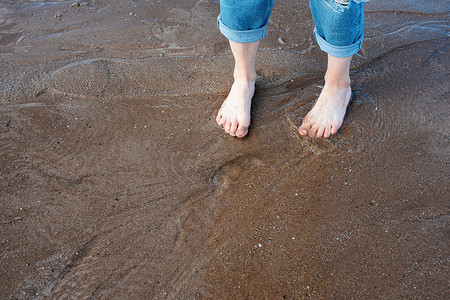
x=234, y=169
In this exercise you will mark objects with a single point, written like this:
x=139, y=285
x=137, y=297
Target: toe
x=312, y=132
x=304, y=128
x=233, y=128
x=227, y=127
x=333, y=130
x=241, y=131
x=220, y=121
x=320, y=131
x=326, y=133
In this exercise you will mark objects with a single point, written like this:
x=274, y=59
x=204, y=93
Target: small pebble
x=280, y=40
x=60, y=13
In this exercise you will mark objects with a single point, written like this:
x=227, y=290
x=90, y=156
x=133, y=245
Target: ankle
x=246, y=74
x=245, y=78
x=339, y=82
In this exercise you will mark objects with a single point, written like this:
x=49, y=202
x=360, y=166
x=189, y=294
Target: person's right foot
x=234, y=115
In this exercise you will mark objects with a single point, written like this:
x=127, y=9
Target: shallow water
x=116, y=182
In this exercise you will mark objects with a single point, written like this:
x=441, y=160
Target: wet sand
x=116, y=183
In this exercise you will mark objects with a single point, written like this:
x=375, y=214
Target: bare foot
x=327, y=115
x=234, y=115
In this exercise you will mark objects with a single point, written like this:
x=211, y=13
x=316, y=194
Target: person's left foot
x=327, y=115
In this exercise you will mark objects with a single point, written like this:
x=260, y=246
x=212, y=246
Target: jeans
x=339, y=24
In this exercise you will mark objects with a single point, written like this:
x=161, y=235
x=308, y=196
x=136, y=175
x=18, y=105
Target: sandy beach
x=116, y=182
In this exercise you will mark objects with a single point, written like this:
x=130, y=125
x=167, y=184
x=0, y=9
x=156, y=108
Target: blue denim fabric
x=244, y=21
x=338, y=27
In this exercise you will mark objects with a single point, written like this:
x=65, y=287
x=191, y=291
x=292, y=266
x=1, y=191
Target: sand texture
x=116, y=182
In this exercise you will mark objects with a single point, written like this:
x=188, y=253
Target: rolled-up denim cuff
x=242, y=36
x=338, y=51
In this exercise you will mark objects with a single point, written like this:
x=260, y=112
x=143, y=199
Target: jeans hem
x=242, y=36
x=338, y=51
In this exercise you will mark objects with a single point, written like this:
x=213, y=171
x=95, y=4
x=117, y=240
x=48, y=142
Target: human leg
x=339, y=32
x=244, y=23
x=234, y=115
x=327, y=115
